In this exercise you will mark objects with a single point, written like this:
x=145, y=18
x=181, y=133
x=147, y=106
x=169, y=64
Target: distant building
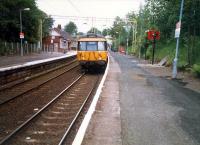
x=58, y=39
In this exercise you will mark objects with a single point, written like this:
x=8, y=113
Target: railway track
x=52, y=123
x=23, y=87
x=16, y=111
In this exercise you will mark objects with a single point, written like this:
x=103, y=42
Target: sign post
x=153, y=35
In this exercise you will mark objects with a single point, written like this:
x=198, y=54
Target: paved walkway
x=105, y=126
x=6, y=61
x=153, y=110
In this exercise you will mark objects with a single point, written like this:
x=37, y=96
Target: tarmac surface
x=105, y=125
x=153, y=110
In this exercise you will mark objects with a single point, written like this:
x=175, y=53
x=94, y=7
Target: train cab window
x=101, y=46
x=82, y=46
x=92, y=46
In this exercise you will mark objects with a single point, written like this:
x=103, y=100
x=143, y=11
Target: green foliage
x=10, y=22
x=196, y=69
x=71, y=28
x=106, y=32
x=94, y=30
x=163, y=15
x=47, y=25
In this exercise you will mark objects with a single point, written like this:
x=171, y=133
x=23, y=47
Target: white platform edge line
x=81, y=132
x=34, y=62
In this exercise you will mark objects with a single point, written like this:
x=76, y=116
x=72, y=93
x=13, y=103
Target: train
x=92, y=51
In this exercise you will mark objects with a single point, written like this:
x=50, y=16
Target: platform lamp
x=21, y=33
x=174, y=71
x=127, y=28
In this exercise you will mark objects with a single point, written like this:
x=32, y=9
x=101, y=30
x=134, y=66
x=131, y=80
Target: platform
x=105, y=126
x=11, y=62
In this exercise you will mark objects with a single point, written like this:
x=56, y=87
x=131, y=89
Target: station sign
x=21, y=35
x=153, y=34
x=178, y=30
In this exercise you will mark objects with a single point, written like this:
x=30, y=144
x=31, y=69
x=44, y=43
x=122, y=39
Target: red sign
x=21, y=35
x=152, y=34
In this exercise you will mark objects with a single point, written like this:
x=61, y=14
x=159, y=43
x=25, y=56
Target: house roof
x=63, y=34
x=66, y=35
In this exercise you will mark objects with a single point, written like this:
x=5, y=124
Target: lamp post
x=174, y=72
x=134, y=27
x=41, y=34
x=118, y=39
x=127, y=28
x=20, y=16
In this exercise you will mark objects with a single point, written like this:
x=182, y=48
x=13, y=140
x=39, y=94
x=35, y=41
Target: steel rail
x=36, y=87
x=39, y=112
x=77, y=115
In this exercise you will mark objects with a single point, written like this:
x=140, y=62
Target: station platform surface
x=9, y=61
x=105, y=125
x=139, y=107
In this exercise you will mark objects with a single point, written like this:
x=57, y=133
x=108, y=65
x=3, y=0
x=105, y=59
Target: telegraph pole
x=40, y=35
x=174, y=72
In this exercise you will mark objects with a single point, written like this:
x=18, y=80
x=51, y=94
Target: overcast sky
x=103, y=9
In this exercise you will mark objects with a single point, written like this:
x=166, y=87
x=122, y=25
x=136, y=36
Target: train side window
x=82, y=46
x=101, y=46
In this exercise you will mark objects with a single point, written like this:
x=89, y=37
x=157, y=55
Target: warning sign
x=21, y=35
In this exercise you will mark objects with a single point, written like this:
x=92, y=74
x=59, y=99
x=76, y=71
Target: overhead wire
x=74, y=6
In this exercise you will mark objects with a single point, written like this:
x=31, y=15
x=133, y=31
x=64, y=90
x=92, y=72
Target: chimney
x=59, y=26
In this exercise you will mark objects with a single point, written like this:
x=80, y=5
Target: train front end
x=92, y=52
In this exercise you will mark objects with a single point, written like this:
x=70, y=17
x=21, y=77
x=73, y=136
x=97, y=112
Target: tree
x=71, y=28
x=10, y=24
x=94, y=30
x=106, y=32
x=47, y=25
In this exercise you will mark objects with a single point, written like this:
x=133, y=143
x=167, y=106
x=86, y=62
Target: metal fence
x=11, y=48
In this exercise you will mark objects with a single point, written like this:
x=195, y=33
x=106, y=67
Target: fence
x=10, y=48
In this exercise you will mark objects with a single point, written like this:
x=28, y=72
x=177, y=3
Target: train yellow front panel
x=92, y=55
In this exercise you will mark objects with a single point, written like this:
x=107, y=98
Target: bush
x=196, y=69
x=182, y=65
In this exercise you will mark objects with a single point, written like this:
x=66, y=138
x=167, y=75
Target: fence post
x=12, y=48
x=27, y=51
x=5, y=50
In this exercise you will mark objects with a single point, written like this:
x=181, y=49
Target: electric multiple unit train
x=92, y=51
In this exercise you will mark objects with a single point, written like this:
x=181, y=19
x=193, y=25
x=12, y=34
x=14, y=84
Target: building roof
x=66, y=35
x=63, y=34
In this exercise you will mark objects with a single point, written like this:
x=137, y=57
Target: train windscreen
x=92, y=46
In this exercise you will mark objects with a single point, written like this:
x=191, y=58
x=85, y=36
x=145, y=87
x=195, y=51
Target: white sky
x=88, y=8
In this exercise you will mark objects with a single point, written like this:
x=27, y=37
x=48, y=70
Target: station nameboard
x=153, y=34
